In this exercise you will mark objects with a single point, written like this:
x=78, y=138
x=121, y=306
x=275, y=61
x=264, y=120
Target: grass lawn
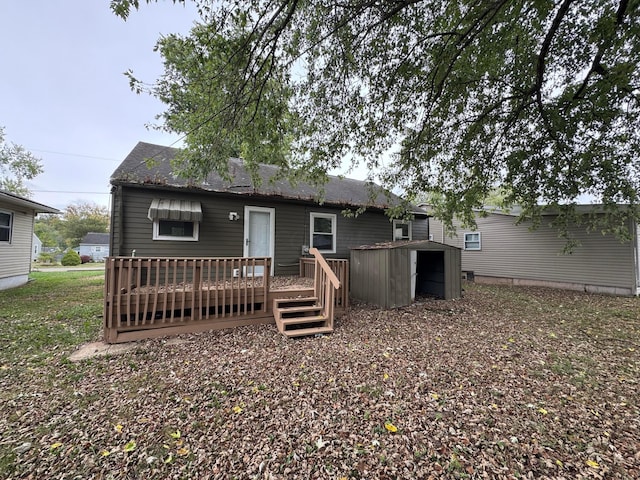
x=504, y=383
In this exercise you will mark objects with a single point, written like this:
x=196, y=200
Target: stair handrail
x=331, y=276
x=322, y=289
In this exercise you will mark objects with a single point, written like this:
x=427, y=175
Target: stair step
x=299, y=309
x=302, y=320
x=308, y=331
x=292, y=302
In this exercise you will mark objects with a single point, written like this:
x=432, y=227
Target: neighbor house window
x=96, y=249
x=323, y=232
x=6, y=224
x=175, y=230
x=472, y=241
x=401, y=230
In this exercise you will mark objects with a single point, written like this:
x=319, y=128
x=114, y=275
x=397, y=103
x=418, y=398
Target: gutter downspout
x=636, y=255
x=116, y=203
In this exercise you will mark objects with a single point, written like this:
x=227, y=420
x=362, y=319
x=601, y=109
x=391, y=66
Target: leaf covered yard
x=504, y=383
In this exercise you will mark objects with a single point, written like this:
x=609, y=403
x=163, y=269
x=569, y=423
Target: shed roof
x=26, y=203
x=407, y=244
x=345, y=192
x=93, y=238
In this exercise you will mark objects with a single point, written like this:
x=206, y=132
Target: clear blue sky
x=64, y=97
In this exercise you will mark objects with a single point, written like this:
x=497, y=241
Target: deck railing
x=144, y=293
x=340, y=267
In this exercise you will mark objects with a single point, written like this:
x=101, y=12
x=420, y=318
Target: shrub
x=46, y=258
x=85, y=258
x=71, y=258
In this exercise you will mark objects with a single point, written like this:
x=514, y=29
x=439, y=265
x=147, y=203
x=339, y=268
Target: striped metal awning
x=181, y=210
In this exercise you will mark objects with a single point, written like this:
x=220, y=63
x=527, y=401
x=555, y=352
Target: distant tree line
x=67, y=230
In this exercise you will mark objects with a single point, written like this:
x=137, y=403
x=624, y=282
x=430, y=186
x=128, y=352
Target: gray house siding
x=96, y=252
x=508, y=251
x=220, y=237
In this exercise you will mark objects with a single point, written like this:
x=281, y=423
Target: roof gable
x=343, y=192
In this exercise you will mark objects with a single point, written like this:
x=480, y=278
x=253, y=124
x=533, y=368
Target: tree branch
x=596, y=64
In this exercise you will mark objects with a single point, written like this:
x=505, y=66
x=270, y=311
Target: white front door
x=259, y=235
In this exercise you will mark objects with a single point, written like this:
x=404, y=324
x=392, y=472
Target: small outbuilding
x=393, y=274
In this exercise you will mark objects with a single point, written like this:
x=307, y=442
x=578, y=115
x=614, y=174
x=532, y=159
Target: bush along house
x=158, y=214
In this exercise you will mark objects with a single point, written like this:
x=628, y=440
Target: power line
x=73, y=154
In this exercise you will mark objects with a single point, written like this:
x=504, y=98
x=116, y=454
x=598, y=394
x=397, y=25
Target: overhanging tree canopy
x=538, y=98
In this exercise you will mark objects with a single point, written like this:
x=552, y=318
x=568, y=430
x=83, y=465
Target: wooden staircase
x=297, y=317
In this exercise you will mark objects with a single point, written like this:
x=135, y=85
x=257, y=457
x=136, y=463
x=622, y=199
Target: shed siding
x=453, y=278
x=399, y=277
x=383, y=276
x=513, y=251
x=15, y=257
x=371, y=269
x=218, y=236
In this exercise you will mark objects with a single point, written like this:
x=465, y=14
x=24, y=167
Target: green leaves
x=16, y=166
x=537, y=99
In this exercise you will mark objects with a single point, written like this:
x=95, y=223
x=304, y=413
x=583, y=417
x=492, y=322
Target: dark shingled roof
x=344, y=192
x=93, y=238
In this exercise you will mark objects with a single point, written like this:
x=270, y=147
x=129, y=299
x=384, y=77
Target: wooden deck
x=151, y=297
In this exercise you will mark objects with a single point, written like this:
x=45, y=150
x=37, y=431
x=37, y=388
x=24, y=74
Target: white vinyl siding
x=15, y=256
x=516, y=251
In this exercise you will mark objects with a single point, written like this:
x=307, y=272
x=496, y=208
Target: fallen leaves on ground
x=504, y=383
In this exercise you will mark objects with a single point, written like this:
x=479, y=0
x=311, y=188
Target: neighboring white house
x=499, y=251
x=95, y=245
x=17, y=216
x=36, y=248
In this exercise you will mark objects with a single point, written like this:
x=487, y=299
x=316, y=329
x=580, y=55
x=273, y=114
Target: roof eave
x=27, y=203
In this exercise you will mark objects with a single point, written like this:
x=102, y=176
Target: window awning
x=181, y=210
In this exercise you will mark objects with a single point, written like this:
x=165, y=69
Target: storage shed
x=392, y=274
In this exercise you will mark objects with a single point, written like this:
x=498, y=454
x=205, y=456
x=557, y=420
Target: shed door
x=259, y=235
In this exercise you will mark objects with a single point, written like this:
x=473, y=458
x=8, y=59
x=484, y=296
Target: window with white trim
x=323, y=232
x=6, y=225
x=472, y=241
x=401, y=230
x=177, y=230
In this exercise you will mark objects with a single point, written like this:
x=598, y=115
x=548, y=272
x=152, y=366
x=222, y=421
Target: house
x=36, y=249
x=500, y=251
x=17, y=216
x=156, y=213
x=95, y=245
